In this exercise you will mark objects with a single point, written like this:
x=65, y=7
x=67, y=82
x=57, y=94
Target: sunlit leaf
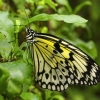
x=65, y=18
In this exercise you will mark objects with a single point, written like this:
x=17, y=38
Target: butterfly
x=59, y=64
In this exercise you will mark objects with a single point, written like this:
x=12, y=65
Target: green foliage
x=65, y=18
x=58, y=18
x=30, y=96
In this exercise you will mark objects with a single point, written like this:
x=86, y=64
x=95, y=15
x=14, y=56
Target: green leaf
x=66, y=4
x=29, y=96
x=6, y=26
x=4, y=76
x=15, y=79
x=65, y=18
x=18, y=65
x=6, y=35
x=20, y=73
x=51, y=4
x=80, y=6
x=5, y=48
x=57, y=97
x=17, y=76
x=13, y=88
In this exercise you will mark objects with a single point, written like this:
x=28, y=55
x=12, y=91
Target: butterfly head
x=30, y=34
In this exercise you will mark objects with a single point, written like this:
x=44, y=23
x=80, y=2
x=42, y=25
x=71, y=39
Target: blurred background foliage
x=16, y=74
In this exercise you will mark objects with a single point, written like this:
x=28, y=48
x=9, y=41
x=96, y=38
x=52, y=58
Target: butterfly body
x=59, y=64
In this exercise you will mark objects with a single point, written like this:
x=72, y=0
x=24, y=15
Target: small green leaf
x=29, y=96
x=80, y=6
x=65, y=18
x=51, y=4
x=66, y=4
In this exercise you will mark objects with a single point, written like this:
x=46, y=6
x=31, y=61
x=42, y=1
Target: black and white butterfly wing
x=59, y=64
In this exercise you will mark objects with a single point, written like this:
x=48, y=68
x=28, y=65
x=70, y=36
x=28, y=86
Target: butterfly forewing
x=59, y=63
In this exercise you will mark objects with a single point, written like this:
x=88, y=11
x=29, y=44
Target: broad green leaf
x=65, y=18
x=7, y=30
x=18, y=65
x=5, y=47
x=13, y=85
x=20, y=73
x=6, y=26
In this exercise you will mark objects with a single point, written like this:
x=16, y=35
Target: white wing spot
x=58, y=88
x=62, y=88
x=95, y=80
x=49, y=86
x=40, y=83
x=76, y=80
x=91, y=82
x=53, y=87
x=81, y=82
x=71, y=70
x=66, y=86
x=44, y=86
x=72, y=82
x=85, y=82
x=69, y=80
x=71, y=76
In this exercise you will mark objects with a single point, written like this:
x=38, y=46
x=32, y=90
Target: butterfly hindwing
x=59, y=63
